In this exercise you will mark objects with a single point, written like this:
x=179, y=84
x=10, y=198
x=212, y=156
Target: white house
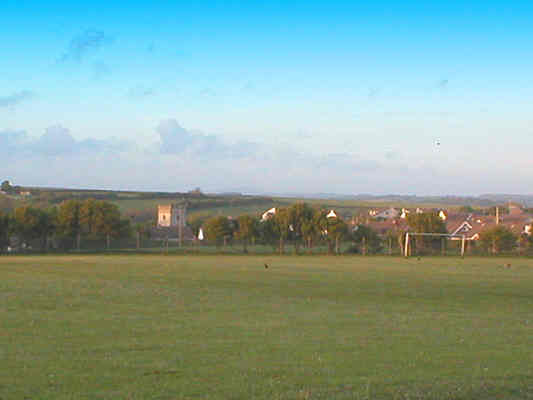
x=331, y=214
x=404, y=213
x=268, y=214
x=389, y=213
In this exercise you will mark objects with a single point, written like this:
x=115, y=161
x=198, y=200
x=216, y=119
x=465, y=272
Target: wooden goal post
x=407, y=246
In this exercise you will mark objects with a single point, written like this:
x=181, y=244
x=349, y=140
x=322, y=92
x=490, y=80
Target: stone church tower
x=171, y=215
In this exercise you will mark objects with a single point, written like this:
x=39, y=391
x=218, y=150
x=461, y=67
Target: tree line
x=63, y=226
x=304, y=226
x=67, y=225
x=299, y=224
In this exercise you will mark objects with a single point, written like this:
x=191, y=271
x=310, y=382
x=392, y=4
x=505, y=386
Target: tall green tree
x=332, y=229
x=282, y=227
x=366, y=239
x=498, y=239
x=4, y=231
x=87, y=216
x=218, y=229
x=309, y=231
x=247, y=230
x=6, y=187
x=196, y=222
x=300, y=219
x=106, y=221
x=69, y=222
x=268, y=232
x=32, y=223
x=394, y=238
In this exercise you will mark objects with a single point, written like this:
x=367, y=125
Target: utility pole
x=181, y=223
x=497, y=215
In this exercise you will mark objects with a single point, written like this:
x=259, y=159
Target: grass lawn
x=224, y=327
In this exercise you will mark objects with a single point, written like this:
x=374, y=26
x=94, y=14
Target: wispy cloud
x=207, y=92
x=197, y=159
x=57, y=141
x=177, y=140
x=248, y=87
x=139, y=92
x=15, y=98
x=85, y=43
x=373, y=93
x=11, y=140
x=100, y=70
x=443, y=83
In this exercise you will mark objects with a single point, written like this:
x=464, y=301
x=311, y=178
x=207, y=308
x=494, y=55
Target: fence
x=418, y=246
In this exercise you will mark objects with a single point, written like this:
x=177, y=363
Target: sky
x=347, y=97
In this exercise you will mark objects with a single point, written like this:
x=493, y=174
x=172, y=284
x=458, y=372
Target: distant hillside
x=478, y=201
x=142, y=206
x=524, y=199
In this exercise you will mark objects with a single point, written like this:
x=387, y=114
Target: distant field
x=344, y=207
x=139, y=205
x=143, y=205
x=225, y=327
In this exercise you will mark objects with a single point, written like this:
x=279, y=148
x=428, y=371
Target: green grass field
x=224, y=327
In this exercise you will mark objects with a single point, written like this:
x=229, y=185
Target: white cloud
x=56, y=141
x=15, y=98
x=184, y=159
x=83, y=44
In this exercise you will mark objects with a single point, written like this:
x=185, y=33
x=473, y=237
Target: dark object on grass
x=266, y=266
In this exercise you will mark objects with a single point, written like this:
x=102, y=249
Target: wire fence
x=419, y=247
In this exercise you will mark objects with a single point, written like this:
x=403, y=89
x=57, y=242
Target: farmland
x=219, y=327
x=142, y=206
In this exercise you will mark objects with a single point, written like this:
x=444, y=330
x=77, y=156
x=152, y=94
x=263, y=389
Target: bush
x=498, y=239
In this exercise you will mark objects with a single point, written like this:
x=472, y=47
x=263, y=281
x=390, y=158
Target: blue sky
x=271, y=96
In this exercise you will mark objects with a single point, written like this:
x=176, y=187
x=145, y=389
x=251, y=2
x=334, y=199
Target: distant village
x=49, y=224
x=470, y=223
x=465, y=221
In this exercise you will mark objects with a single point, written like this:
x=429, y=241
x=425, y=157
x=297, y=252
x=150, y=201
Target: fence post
x=406, y=247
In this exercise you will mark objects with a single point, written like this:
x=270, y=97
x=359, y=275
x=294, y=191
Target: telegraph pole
x=181, y=223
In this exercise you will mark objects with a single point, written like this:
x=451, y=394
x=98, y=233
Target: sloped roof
x=474, y=225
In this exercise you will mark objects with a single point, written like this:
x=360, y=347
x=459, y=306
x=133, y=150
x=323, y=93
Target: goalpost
x=408, y=235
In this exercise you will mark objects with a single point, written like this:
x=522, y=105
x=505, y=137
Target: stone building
x=171, y=215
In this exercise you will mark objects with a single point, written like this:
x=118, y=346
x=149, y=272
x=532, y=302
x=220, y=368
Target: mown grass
x=225, y=327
